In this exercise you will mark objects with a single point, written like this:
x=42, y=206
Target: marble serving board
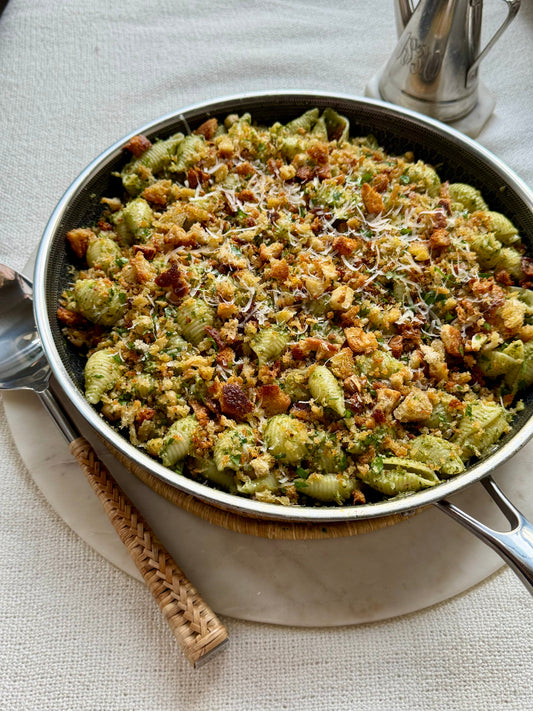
x=363, y=578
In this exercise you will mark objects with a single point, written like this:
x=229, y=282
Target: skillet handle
x=514, y=546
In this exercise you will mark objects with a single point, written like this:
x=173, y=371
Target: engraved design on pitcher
x=414, y=53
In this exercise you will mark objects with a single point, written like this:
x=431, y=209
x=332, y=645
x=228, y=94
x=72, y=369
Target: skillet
x=455, y=157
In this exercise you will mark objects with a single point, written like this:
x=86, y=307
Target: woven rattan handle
x=195, y=626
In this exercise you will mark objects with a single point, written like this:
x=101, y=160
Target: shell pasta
x=296, y=315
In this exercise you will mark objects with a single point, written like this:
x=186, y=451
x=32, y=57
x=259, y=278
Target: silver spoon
x=23, y=366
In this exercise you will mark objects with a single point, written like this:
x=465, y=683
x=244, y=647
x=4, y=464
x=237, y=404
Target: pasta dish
x=295, y=315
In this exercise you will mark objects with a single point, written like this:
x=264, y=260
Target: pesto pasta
x=292, y=314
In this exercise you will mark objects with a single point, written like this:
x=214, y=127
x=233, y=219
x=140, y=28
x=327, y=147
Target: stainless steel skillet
x=456, y=158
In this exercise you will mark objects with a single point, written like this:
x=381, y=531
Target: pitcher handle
x=514, y=546
x=477, y=7
x=403, y=10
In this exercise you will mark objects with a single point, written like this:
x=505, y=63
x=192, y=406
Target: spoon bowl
x=23, y=364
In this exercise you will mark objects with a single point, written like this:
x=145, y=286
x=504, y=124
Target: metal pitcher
x=434, y=68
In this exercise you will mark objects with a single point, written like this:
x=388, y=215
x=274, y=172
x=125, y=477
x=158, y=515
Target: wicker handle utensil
x=25, y=366
x=196, y=627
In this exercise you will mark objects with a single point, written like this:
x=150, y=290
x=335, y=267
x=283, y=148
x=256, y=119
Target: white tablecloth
x=75, y=632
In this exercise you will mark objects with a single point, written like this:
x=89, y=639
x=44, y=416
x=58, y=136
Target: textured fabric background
x=76, y=633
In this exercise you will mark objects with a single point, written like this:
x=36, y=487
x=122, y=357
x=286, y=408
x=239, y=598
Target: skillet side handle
x=514, y=546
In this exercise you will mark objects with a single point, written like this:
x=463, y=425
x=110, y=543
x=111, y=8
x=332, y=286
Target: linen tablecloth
x=77, y=633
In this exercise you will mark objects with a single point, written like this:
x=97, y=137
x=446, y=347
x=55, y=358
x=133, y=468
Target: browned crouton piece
x=360, y=341
x=79, y=240
x=372, y=200
x=273, y=400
